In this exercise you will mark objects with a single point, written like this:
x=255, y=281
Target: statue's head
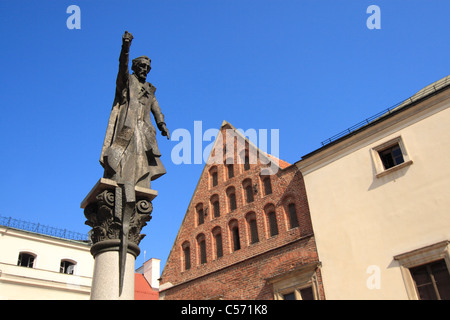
x=141, y=67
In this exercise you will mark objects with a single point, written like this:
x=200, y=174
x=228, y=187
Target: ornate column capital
x=104, y=215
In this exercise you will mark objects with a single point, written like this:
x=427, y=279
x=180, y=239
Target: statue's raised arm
x=123, y=75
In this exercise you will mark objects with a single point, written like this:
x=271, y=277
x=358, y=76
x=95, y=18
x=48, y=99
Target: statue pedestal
x=113, y=277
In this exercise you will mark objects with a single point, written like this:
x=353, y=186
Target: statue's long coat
x=130, y=153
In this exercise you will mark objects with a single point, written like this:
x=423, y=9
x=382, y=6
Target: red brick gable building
x=245, y=235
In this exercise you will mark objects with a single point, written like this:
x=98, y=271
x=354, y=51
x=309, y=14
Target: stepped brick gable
x=245, y=234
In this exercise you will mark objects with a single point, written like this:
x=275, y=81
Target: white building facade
x=38, y=266
x=379, y=203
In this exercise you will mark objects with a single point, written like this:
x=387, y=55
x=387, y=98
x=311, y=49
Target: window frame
x=418, y=257
x=296, y=290
x=431, y=276
x=377, y=159
x=31, y=255
x=72, y=264
x=296, y=280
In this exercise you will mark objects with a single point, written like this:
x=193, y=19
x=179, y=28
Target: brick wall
x=247, y=280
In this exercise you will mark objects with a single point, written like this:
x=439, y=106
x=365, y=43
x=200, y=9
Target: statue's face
x=142, y=69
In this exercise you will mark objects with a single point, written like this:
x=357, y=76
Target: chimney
x=151, y=272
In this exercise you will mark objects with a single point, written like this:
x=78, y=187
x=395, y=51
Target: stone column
x=113, y=277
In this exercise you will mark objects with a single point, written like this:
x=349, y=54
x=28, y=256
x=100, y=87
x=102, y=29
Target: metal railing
x=42, y=229
x=422, y=93
x=360, y=124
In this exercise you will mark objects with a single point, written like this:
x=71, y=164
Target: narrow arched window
x=248, y=190
x=246, y=163
x=267, y=186
x=214, y=178
x=273, y=226
x=252, y=227
x=236, y=240
x=219, y=247
x=187, y=256
x=253, y=231
x=217, y=235
x=292, y=215
x=230, y=169
x=249, y=193
x=234, y=230
x=202, y=245
x=202, y=248
x=231, y=195
x=200, y=214
x=216, y=206
x=232, y=198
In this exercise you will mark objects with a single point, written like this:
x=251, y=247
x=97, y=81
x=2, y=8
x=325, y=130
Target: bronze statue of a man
x=130, y=153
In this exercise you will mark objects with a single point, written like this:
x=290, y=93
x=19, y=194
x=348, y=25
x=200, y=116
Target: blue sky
x=310, y=68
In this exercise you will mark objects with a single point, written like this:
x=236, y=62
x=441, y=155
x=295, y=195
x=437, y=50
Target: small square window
x=390, y=156
x=67, y=267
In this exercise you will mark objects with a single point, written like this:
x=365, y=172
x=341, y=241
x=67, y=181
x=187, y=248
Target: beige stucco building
x=380, y=205
x=38, y=266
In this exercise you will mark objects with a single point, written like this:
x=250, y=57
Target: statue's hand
x=164, y=130
x=127, y=38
